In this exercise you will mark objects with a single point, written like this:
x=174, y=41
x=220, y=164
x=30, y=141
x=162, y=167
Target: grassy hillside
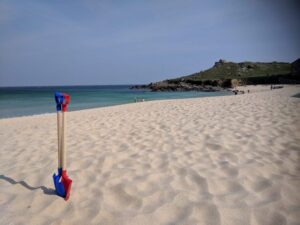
x=229, y=70
x=229, y=74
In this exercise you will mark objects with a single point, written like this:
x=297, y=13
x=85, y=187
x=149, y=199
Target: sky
x=95, y=42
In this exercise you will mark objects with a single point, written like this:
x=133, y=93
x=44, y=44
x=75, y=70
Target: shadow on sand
x=47, y=191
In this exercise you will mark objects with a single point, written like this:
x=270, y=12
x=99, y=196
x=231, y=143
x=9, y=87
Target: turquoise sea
x=21, y=101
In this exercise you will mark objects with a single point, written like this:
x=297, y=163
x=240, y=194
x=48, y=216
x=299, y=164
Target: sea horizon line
x=84, y=85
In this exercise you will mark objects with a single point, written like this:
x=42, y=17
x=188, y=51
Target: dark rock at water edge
x=181, y=86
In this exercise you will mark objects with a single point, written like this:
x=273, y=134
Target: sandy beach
x=231, y=160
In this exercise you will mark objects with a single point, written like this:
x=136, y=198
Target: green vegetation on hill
x=229, y=70
x=229, y=74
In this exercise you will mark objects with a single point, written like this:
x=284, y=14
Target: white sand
x=219, y=160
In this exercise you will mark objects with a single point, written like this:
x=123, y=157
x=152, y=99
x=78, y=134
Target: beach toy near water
x=59, y=187
x=61, y=181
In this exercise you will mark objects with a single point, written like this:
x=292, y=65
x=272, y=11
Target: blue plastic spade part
x=59, y=99
x=59, y=187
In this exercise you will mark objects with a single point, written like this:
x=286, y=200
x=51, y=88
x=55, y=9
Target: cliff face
x=225, y=74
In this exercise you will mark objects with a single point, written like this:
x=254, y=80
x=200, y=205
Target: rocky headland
x=225, y=74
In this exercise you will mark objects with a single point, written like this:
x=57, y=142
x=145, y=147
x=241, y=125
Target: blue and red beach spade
x=61, y=181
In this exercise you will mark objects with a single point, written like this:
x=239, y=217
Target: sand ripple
x=211, y=161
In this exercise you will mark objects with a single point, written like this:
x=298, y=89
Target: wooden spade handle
x=59, y=126
x=63, y=145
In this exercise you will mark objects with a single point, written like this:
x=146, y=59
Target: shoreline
x=253, y=88
x=119, y=104
x=34, y=102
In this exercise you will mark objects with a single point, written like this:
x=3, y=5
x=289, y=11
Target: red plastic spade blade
x=67, y=182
